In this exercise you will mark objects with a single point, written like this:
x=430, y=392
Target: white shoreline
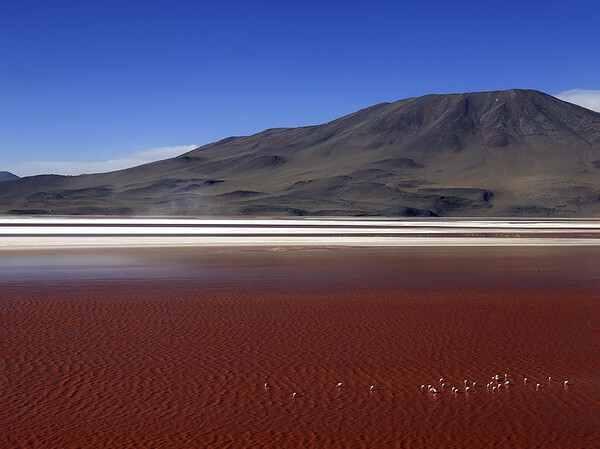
x=524, y=223
x=37, y=233
x=42, y=243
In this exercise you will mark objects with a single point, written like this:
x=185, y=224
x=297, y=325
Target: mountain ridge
x=512, y=153
x=7, y=176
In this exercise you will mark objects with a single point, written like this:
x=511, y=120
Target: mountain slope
x=7, y=176
x=503, y=153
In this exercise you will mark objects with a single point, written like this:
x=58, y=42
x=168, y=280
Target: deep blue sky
x=91, y=81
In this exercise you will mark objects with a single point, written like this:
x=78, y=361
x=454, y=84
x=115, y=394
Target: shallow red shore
x=158, y=363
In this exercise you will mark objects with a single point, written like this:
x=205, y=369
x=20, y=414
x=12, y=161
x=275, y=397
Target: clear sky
x=85, y=82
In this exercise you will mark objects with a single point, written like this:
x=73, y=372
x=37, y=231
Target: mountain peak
x=517, y=152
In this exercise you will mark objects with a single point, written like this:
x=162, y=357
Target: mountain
x=7, y=176
x=503, y=153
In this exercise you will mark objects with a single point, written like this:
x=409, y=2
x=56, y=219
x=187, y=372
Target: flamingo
x=372, y=388
x=294, y=394
x=537, y=386
x=566, y=383
x=267, y=385
x=524, y=381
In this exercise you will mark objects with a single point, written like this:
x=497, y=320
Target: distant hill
x=502, y=153
x=7, y=176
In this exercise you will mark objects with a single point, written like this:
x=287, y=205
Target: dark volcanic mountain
x=504, y=153
x=7, y=176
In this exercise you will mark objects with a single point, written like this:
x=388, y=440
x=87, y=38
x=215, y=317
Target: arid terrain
x=500, y=153
x=293, y=224
x=165, y=348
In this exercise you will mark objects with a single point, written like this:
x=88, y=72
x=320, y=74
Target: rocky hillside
x=502, y=153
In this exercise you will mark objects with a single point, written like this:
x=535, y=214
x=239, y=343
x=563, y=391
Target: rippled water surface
x=172, y=349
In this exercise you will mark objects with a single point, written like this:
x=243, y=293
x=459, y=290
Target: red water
x=158, y=363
